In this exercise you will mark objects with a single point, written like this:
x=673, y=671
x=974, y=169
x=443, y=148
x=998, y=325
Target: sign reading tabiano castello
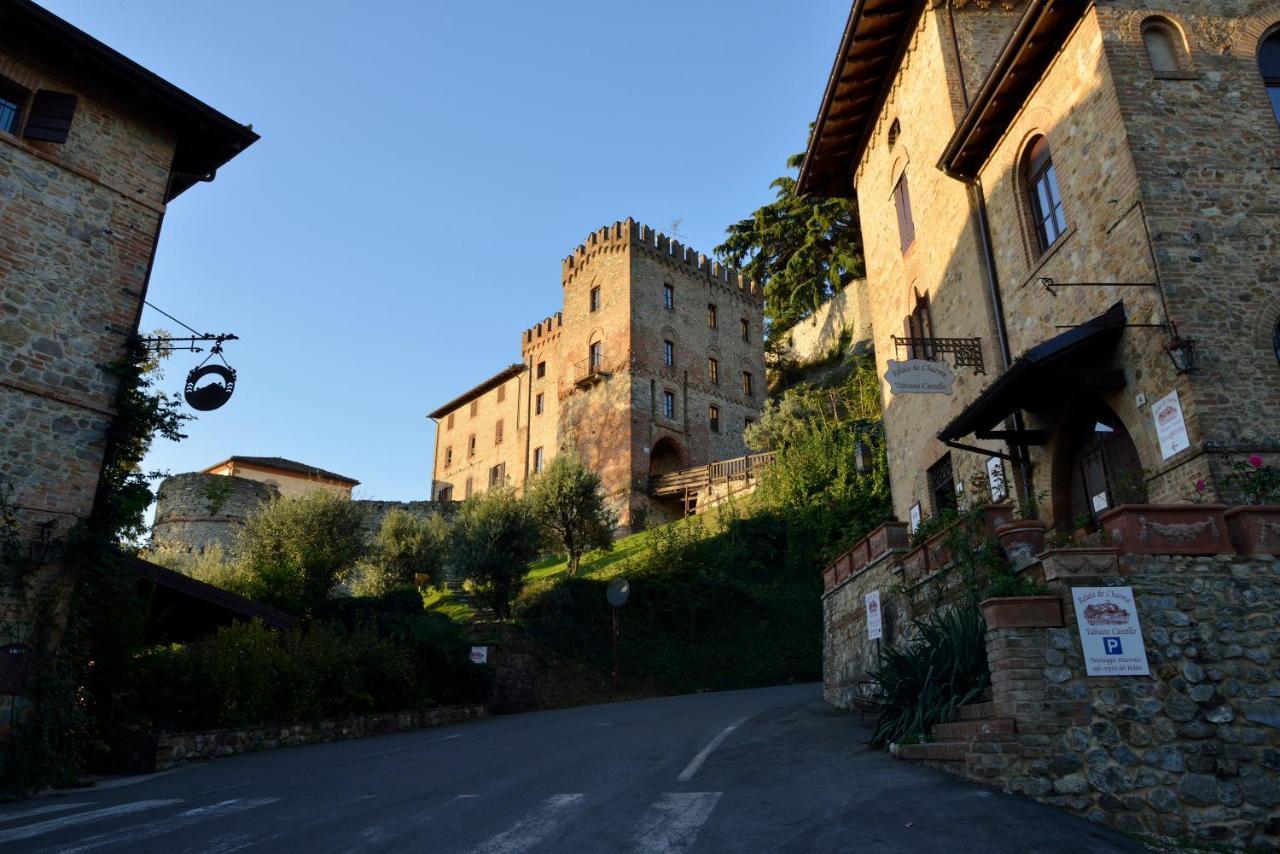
x=919, y=376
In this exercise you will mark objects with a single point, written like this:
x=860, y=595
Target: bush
x=568, y=501
x=923, y=681
x=407, y=552
x=494, y=539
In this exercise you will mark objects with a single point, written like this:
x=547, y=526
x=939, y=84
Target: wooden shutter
x=50, y=116
x=906, y=224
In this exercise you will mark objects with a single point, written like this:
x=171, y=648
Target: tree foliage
x=494, y=539
x=568, y=501
x=801, y=250
x=408, y=551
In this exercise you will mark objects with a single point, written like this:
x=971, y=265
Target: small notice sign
x=873, y=615
x=1109, y=631
x=1171, y=430
x=919, y=376
x=479, y=655
x=995, y=479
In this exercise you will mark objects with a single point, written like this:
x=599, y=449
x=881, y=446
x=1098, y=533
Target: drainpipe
x=435, y=459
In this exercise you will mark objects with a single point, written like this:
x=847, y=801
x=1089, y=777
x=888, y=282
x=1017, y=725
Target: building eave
x=474, y=392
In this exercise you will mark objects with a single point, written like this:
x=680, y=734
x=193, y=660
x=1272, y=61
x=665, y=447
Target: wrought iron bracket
x=967, y=351
x=159, y=344
x=1051, y=286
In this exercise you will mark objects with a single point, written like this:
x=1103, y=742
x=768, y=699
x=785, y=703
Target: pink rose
x=1255, y=460
x=1201, y=485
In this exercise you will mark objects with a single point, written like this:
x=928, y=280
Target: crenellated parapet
x=541, y=332
x=629, y=234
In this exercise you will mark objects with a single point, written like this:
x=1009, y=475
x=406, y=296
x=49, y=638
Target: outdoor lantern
x=1182, y=352
x=860, y=457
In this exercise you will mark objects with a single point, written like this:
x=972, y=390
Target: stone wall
x=847, y=653
x=848, y=311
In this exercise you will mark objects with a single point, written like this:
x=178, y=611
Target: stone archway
x=1098, y=467
x=666, y=456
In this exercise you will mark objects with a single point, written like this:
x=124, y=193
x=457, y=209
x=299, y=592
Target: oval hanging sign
x=213, y=394
x=919, y=376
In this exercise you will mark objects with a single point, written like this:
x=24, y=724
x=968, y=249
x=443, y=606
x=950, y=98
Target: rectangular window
x=49, y=119
x=445, y=494
x=746, y=329
x=668, y=297
x=668, y=405
x=449, y=423
x=746, y=383
x=471, y=446
x=595, y=355
x=502, y=393
x=919, y=325
x=711, y=315
x=448, y=456
x=595, y=299
x=469, y=490
x=538, y=403
x=906, y=224
x=542, y=370
x=713, y=418
x=497, y=475
x=668, y=353
x=475, y=407
x=497, y=433
x=537, y=460
x=713, y=371
x=942, y=485
x=12, y=99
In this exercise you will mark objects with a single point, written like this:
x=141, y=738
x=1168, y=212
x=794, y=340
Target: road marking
x=412, y=746
x=696, y=762
x=379, y=834
x=53, y=824
x=671, y=825
x=14, y=816
x=533, y=828
x=137, y=833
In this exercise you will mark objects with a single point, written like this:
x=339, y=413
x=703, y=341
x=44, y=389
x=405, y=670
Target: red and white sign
x=479, y=655
x=1109, y=632
x=873, y=615
x=1171, y=430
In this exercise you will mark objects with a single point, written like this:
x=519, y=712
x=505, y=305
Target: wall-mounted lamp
x=860, y=457
x=1182, y=352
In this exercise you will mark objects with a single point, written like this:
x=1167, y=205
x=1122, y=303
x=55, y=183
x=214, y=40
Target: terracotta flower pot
x=829, y=578
x=889, y=536
x=995, y=516
x=1079, y=562
x=915, y=564
x=1023, y=540
x=1022, y=612
x=1168, y=529
x=859, y=556
x=1255, y=528
x=939, y=550
x=842, y=568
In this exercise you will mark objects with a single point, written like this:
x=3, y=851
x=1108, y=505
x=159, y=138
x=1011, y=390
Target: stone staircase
x=953, y=742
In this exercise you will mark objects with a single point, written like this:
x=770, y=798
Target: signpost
x=919, y=376
x=617, y=594
x=1109, y=631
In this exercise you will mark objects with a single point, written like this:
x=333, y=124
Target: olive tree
x=568, y=501
x=407, y=551
x=493, y=540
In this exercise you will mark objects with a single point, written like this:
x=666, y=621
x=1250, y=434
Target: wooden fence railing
x=685, y=481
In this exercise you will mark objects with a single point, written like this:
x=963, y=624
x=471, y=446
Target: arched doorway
x=1100, y=468
x=665, y=457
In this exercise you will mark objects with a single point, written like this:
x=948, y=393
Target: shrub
x=494, y=539
x=568, y=501
x=407, y=552
x=922, y=681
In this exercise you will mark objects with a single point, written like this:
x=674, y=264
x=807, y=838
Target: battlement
x=541, y=328
x=633, y=233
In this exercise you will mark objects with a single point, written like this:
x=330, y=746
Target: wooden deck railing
x=685, y=481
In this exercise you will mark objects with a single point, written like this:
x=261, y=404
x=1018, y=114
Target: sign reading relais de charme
x=919, y=376
x=1109, y=632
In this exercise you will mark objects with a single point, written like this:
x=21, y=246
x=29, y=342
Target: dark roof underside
x=184, y=609
x=1035, y=41
x=287, y=465
x=1032, y=377
x=468, y=396
x=206, y=138
x=874, y=38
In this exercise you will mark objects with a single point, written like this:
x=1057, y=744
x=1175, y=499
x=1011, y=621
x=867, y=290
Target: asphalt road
x=764, y=770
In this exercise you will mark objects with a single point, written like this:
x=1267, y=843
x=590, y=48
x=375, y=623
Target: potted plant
x=1015, y=601
x=890, y=536
x=1023, y=538
x=918, y=562
x=1255, y=526
x=1137, y=527
x=1074, y=555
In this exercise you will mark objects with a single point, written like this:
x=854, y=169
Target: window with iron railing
x=595, y=357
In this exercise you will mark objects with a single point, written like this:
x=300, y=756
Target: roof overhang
x=183, y=608
x=470, y=395
x=1035, y=41
x=1077, y=359
x=875, y=37
x=207, y=139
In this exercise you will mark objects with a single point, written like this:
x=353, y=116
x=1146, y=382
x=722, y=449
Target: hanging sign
x=479, y=655
x=1170, y=428
x=995, y=479
x=873, y=615
x=919, y=376
x=1109, y=631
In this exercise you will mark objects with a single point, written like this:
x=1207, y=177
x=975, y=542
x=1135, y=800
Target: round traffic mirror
x=619, y=590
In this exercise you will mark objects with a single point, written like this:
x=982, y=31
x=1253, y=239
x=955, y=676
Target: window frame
x=669, y=404
x=746, y=329
x=713, y=370
x=538, y=460
x=539, y=403
x=1271, y=82
x=669, y=353
x=669, y=297
x=713, y=320
x=906, y=219
x=595, y=356
x=748, y=385
x=542, y=369
x=448, y=456
x=471, y=446
x=19, y=96
x=593, y=303
x=497, y=432
x=713, y=418
x=1039, y=173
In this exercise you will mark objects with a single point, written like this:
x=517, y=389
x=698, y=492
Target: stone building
x=291, y=479
x=93, y=149
x=655, y=363
x=1076, y=201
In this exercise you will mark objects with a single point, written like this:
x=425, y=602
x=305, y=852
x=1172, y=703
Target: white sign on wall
x=919, y=376
x=873, y=615
x=479, y=655
x=913, y=518
x=1170, y=428
x=1109, y=631
x=995, y=479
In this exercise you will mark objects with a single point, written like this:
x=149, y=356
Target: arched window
x=1269, y=65
x=1048, y=217
x=1164, y=47
x=894, y=130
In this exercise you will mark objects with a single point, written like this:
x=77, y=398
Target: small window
x=894, y=130
x=445, y=494
x=711, y=315
x=595, y=356
x=595, y=299
x=906, y=224
x=49, y=119
x=747, y=385
x=449, y=422
x=919, y=327
x=471, y=446
x=1269, y=65
x=668, y=353
x=1049, y=218
x=746, y=329
x=542, y=370
x=668, y=297
x=538, y=403
x=448, y=456
x=497, y=475
x=713, y=418
x=537, y=460
x=12, y=99
x=1166, y=49
x=942, y=485
x=497, y=433
x=475, y=407
x=668, y=405
x=502, y=393
x=713, y=371
x=469, y=490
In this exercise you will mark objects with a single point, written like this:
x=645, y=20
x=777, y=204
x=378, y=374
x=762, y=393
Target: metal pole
x=615, y=647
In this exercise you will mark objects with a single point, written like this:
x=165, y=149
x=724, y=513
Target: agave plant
x=922, y=681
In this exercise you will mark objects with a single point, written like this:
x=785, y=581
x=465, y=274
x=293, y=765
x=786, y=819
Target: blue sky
x=423, y=169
